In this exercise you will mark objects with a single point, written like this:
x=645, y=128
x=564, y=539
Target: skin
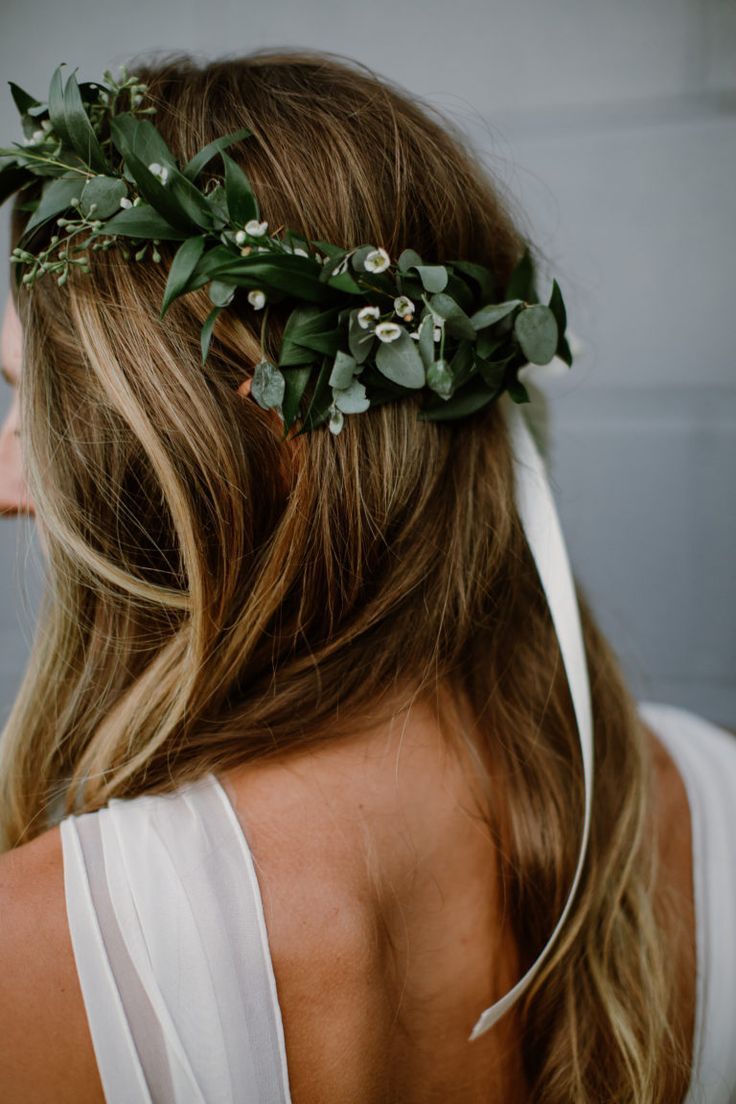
x=405, y=881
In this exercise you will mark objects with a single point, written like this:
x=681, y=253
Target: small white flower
x=161, y=171
x=46, y=124
x=256, y=298
x=38, y=135
x=300, y=252
x=125, y=202
x=404, y=307
x=414, y=334
x=365, y=314
x=437, y=333
x=240, y=236
x=388, y=331
x=377, y=260
x=255, y=228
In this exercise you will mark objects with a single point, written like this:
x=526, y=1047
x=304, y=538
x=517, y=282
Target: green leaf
x=493, y=372
x=455, y=317
x=343, y=370
x=268, y=385
x=536, y=330
x=563, y=352
x=241, y=202
x=206, y=332
x=57, y=112
x=182, y=266
x=462, y=364
x=143, y=221
x=220, y=292
x=106, y=192
x=408, y=259
x=296, y=381
x=193, y=168
x=142, y=138
x=56, y=197
x=425, y=343
x=81, y=133
x=400, y=361
x=306, y=326
x=474, y=396
x=494, y=312
x=433, y=277
x=297, y=276
x=518, y=391
x=344, y=282
x=23, y=100
x=483, y=277
x=12, y=179
x=360, y=341
x=351, y=399
x=320, y=401
x=521, y=282
x=557, y=306
x=440, y=379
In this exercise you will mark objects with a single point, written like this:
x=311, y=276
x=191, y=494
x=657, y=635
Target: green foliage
x=94, y=164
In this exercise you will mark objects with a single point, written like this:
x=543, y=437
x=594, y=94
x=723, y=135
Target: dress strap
x=541, y=525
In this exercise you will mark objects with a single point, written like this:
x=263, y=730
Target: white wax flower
x=240, y=236
x=365, y=314
x=255, y=228
x=377, y=260
x=404, y=307
x=125, y=202
x=388, y=331
x=256, y=298
x=437, y=333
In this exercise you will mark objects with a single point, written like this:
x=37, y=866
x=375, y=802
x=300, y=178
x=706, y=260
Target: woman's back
x=382, y=919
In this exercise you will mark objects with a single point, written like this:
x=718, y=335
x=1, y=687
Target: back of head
x=217, y=594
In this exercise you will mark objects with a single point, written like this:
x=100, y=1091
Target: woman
x=350, y=632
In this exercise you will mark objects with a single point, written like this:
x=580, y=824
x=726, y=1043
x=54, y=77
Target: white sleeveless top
x=171, y=948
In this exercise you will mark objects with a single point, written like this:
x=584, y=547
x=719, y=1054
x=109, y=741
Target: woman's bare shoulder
x=47, y=1051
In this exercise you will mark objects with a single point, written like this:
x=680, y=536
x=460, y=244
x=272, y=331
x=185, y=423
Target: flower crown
x=374, y=329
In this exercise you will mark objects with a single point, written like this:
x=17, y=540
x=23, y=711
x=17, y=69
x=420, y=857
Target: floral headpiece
x=373, y=328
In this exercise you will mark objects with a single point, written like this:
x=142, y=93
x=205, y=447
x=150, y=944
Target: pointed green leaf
x=536, y=330
x=483, y=277
x=79, y=128
x=241, y=202
x=400, y=361
x=296, y=381
x=182, y=266
x=55, y=198
x=206, y=332
x=57, y=113
x=143, y=221
x=193, y=168
x=23, y=100
x=521, y=283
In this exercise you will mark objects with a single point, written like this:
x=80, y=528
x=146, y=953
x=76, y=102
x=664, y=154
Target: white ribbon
x=543, y=533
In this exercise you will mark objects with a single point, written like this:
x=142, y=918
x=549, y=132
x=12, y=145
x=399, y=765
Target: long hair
x=217, y=595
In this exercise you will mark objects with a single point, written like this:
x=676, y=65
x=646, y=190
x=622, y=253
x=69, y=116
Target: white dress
x=169, y=938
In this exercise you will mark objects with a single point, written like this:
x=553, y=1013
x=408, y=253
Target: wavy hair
x=217, y=595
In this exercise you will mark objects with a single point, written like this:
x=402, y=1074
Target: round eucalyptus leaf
x=400, y=361
x=220, y=292
x=268, y=385
x=536, y=331
x=343, y=370
x=352, y=399
x=106, y=192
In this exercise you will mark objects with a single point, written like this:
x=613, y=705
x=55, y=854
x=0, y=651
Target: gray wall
x=613, y=125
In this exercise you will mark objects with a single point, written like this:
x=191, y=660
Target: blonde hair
x=216, y=595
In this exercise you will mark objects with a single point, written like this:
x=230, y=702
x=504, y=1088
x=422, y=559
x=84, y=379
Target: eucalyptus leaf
x=351, y=399
x=400, y=361
x=182, y=266
x=494, y=312
x=407, y=259
x=360, y=341
x=433, y=277
x=425, y=343
x=455, y=317
x=105, y=192
x=343, y=370
x=268, y=386
x=440, y=378
x=220, y=292
x=536, y=330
